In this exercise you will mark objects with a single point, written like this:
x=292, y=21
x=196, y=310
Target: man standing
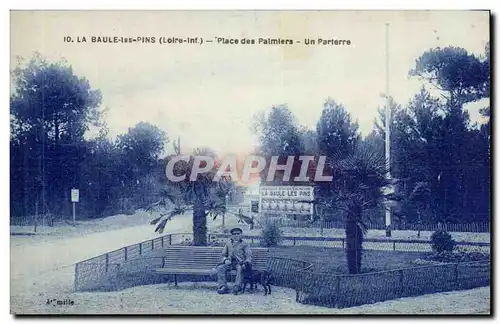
x=235, y=253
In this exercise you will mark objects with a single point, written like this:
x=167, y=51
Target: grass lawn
x=333, y=260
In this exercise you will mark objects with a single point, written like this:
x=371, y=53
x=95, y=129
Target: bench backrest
x=207, y=257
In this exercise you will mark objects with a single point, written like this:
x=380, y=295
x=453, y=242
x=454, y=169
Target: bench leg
x=175, y=279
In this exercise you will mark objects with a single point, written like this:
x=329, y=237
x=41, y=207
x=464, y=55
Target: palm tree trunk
x=354, y=241
x=199, y=225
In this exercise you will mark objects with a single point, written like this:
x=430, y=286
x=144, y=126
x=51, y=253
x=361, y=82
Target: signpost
x=75, y=197
x=286, y=200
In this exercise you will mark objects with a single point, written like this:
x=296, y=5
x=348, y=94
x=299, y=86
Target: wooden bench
x=200, y=260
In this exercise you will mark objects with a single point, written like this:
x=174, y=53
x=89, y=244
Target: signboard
x=75, y=195
x=286, y=200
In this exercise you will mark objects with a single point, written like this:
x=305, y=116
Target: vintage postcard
x=250, y=162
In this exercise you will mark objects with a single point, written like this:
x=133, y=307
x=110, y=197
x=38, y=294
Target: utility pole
x=387, y=130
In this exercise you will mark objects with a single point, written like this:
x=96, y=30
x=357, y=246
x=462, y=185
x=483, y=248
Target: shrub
x=454, y=257
x=442, y=241
x=271, y=235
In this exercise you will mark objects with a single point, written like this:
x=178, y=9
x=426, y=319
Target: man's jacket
x=238, y=251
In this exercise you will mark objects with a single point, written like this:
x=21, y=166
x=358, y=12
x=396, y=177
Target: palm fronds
x=201, y=191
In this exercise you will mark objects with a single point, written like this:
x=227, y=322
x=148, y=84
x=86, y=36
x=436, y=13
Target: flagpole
x=387, y=129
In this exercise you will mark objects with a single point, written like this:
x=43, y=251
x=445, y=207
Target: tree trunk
x=354, y=241
x=199, y=226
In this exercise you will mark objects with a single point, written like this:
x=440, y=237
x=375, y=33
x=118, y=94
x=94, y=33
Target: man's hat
x=236, y=230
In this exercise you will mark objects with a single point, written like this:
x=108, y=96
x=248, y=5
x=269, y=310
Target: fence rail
x=107, y=266
x=341, y=291
x=450, y=227
x=368, y=244
x=285, y=270
x=104, y=270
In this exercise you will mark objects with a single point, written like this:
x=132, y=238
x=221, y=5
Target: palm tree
x=363, y=176
x=356, y=187
x=203, y=196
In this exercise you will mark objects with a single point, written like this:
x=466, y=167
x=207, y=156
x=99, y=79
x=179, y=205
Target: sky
x=208, y=94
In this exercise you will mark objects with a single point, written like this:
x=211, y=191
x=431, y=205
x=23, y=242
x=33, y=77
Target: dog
x=253, y=277
x=265, y=280
x=247, y=277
